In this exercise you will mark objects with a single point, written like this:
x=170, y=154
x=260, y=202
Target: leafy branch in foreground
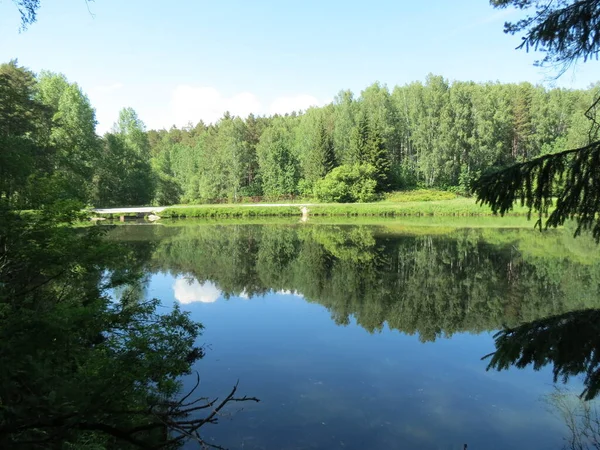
x=569, y=180
x=85, y=362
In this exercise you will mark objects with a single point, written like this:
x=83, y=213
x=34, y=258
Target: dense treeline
x=434, y=134
x=469, y=280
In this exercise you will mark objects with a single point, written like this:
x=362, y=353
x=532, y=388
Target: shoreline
x=459, y=207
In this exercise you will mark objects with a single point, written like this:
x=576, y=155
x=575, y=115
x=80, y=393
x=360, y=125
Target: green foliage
x=565, y=31
x=230, y=211
x=277, y=162
x=435, y=134
x=534, y=184
x=168, y=190
x=23, y=134
x=132, y=131
x=314, y=145
x=125, y=177
x=367, y=147
x=81, y=363
x=347, y=184
x=73, y=136
x=49, y=145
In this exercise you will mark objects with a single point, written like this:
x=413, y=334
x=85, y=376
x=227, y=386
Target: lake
x=369, y=336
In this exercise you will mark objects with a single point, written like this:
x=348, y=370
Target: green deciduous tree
x=125, y=176
x=314, y=146
x=48, y=145
x=24, y=124
x=279, y=166
x=73, y=136
x=132, y=131
x=345, y=109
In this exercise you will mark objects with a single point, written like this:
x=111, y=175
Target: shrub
x=346, y=184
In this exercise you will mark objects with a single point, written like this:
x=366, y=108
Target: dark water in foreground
x=369, y=337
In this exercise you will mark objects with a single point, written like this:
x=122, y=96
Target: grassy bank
x=230, y=211
x=452, y=207
x=450, y=222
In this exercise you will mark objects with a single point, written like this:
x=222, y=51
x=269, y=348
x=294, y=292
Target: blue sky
x=181, y=61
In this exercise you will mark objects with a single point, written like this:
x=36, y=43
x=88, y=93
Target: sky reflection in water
x=328, y=386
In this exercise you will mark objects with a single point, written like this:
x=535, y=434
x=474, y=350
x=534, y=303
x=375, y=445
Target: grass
x=417, y=203
x=456, y=206
x=417, y=195
x=229, y=211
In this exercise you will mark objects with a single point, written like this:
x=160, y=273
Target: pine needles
x=569, y=180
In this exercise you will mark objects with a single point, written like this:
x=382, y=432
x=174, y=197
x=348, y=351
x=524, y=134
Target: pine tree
x=367, y=147
x=359, y=141
x=325, y=150
x=376, y=155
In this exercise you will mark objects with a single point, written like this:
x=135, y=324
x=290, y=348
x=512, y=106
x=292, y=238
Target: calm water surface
x=369, y=336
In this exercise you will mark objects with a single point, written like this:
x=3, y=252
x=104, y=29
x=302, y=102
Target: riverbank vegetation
x=455, y=207
x=438, y=135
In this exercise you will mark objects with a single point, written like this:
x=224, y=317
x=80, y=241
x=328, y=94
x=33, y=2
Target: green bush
x=305, y=188
x=347, y=184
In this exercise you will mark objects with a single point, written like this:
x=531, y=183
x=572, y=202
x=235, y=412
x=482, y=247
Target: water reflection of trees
x=569, y=341
x=539, y=289
x=431, y=285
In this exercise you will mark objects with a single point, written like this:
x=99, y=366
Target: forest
x=437, y=134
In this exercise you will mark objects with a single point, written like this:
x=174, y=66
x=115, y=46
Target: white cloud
x=187, y=291
x=284, y=105
x=191, y=104
x=194, y=103
x=185, y=104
